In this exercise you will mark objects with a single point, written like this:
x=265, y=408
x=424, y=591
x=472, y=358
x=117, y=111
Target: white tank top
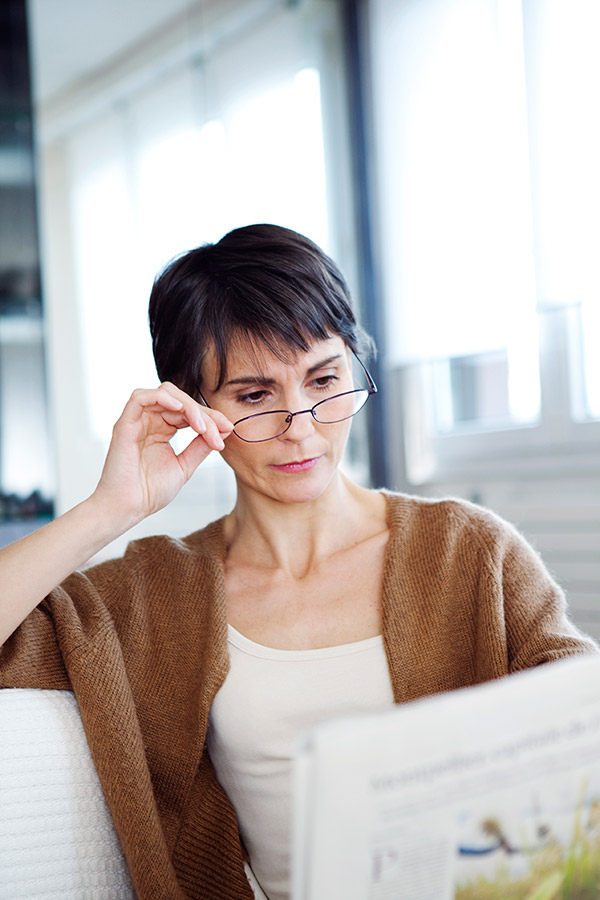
x=269, y=697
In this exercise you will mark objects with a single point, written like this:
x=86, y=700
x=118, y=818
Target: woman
x=196, y=662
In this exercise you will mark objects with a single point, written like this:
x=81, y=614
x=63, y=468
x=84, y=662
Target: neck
x=295, y=537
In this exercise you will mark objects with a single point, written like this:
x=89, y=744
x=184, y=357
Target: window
x=237, y=118
x=490, y=198
x=229, y=137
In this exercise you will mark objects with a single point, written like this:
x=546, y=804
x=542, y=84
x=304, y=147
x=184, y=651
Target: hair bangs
x=264, y=285
x=279, y=321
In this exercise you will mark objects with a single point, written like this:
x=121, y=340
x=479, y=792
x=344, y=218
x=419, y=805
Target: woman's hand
x=142, y=473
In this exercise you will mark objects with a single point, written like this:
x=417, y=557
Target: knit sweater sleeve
x=73, y=615
x=155, y=603
x=534, y=608
x=142, y=643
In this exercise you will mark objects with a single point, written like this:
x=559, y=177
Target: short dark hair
x=262, y=282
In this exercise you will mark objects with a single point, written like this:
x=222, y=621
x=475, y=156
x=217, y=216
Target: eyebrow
x=264, y=379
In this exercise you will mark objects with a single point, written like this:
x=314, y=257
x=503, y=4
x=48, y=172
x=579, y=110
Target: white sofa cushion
x=57, y=839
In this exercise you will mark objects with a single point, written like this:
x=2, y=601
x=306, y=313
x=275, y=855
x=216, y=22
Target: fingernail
x=220, y=444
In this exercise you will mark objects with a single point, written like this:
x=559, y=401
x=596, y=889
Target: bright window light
x=568, y=178
x=140, y=203
x=113, y=302
x=568, y=173
x=280, y=177
x=180, y=193
x=465, y=254
x=459, y=255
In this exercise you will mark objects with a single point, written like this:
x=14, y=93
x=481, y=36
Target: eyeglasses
x=267, y=426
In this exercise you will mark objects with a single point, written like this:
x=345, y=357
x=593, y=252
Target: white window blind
x=563, y=77
x=563, y=74
x=487, y=142
x=229, y=138
x=452, y=140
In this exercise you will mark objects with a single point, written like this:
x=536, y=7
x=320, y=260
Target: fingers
x=178, y=410
x=195, y=453
x=210, y=423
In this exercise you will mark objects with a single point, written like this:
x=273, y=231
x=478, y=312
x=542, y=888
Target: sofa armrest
x=56, y=834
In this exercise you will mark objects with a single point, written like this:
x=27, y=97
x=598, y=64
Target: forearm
x=141, y=475
x=31, y=567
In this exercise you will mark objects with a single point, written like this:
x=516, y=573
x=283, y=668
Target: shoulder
x=156, y=564
x=206, y=543
x=447, y=519
x=160, y=586
x=453, y=535
x=452, y=540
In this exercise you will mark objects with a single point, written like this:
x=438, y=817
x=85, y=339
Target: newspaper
x=488, y=792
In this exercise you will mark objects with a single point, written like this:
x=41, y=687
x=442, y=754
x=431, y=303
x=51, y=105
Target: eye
x=253, y=398
x=325, y=382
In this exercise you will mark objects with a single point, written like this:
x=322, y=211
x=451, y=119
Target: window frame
x=557, y=444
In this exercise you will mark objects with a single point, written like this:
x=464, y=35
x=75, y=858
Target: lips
x=303, y=465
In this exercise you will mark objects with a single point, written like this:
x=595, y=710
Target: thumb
x=194, y=454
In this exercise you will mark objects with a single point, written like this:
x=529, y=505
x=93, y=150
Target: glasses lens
x=340, y=407
x=262, y=427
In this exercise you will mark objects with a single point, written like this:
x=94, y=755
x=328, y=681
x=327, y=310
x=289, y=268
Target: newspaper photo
x=487, y=793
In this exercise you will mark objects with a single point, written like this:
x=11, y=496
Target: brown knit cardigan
x=142, y=641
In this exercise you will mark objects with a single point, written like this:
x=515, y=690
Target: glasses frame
x=372, y=389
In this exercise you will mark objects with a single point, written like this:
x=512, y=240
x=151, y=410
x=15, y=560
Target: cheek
x=231, y=451
x=239, y=455
x=343, y=432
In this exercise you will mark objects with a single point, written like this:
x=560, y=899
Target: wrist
x=109, y=521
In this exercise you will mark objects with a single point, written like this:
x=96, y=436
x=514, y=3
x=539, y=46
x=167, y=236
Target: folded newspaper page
x=487, y=793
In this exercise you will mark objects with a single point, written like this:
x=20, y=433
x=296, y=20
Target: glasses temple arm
x=372, y=385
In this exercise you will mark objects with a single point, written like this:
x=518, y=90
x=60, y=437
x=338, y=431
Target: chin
x=302, y=490
x=292, y=488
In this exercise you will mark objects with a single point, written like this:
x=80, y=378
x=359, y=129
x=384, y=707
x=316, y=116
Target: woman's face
x=300, y=464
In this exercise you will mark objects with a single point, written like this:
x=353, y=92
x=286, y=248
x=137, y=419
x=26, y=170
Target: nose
x=301, y=426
